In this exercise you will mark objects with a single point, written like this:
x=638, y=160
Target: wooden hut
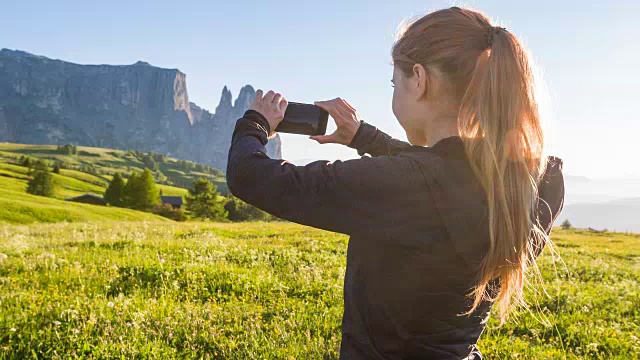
x=174, y=201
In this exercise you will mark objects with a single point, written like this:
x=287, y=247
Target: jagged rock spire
x=225, y=100
x=245, y=97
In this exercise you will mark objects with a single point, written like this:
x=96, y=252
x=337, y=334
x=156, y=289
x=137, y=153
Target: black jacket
x=417, y=222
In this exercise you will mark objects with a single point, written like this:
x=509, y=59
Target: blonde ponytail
x=499, y=107
x=499, y=124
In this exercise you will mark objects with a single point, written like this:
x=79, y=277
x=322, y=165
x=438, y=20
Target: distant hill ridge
x=615, y=215
x=139, y=107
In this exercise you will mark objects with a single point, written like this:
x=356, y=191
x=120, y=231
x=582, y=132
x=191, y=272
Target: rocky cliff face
x=139, y=106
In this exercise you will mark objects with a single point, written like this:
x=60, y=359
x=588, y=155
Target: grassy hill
x=16, y=206
x=269, y=291
x=106, y=162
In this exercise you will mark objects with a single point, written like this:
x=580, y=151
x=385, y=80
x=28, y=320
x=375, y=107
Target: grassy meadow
x=18, y=207
x=260, y=290
x=105, y=161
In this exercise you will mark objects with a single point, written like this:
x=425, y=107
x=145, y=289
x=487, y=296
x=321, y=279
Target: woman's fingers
x=332, y=108
x=272, y=106
x=348, y=105
x=268, y=97
x=340, y=107
x=346, y=118
x=353, y=113
x=327, y=107
x=258, y=96
x=321, y=104
x=283, y=104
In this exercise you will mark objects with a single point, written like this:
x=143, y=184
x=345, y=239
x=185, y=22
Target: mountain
x=139, y=107
x=583, y=190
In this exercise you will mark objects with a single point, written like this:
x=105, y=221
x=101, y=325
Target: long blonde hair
x=489, y=72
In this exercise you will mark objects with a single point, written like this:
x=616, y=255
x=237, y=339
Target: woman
x=441, y=227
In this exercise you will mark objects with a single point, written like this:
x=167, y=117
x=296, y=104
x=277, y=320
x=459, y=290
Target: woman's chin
x=416, y=140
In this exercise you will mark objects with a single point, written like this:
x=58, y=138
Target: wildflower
x=111, y=304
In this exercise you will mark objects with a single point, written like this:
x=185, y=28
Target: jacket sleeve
x=370, y=139
x=341, y=196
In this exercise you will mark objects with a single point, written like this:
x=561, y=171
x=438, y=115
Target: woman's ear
x=421, y=82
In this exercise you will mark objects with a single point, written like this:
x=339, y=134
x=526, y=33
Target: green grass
x=173, y=191
x=21, y=208
x=102, y=182
x=266, y=291
x=18, y=207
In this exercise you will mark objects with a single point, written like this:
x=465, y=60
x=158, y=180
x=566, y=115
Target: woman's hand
x=346, y=118
x=272, y=106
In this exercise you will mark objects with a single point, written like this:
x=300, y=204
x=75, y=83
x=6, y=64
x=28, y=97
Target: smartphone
x=305, y=119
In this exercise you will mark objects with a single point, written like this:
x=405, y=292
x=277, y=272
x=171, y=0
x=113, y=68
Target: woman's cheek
x=396, y=106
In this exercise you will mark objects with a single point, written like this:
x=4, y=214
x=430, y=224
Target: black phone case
x=312, y=123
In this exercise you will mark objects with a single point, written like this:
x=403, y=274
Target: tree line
x=158, y=163
x=202, y=202
x=140, y=192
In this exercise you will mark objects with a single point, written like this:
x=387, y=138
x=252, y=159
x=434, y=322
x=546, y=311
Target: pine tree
x=116, y=191
x=203, y=202
x=67, y=149
x=26, y=162
x=141, y=191
x=41, y=184
x=130, y=189
x=150, y=163
x=39, y=165
x=36, y=166
x=149, y=188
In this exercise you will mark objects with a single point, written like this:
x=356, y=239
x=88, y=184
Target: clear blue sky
x=588, y=51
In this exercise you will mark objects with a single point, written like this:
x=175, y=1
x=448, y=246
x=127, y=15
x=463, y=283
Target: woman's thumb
x=320, y=138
